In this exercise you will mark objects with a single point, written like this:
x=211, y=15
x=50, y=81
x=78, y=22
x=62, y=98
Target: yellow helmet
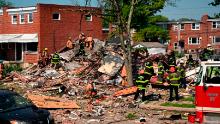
x=45, y=49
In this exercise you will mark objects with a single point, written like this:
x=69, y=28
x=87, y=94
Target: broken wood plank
x=20, y=77
x=52, y=102
x=126, y=91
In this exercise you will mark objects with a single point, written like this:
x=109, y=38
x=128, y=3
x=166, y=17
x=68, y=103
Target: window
x=175, y=27
x=181, y=26
x=56, y=16
x=212, y=75
x=14, y=19
x=88, y=17
x=22, y=19
x=194, y=40
x=31, y=47
x=30, y=17
x=175, y=46
x=216, y=39
x=216, y=24
x=195, y=26
x=164, y=26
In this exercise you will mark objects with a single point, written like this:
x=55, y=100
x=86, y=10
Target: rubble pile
x=84, y=89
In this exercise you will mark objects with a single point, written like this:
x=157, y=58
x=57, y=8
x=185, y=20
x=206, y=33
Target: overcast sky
x=184, y=8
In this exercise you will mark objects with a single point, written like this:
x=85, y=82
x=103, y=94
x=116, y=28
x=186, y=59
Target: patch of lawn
x=178, y=105
x=131, y=116
x=190, y=98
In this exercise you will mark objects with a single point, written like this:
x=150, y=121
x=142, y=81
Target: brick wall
x=6, y=27
x=55, y=33
x=30, y=58
x=205, y=33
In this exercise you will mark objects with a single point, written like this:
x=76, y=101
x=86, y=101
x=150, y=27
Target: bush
x=9, y=68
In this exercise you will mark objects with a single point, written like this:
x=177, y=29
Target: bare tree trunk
x=128, y=56
x=126, y=48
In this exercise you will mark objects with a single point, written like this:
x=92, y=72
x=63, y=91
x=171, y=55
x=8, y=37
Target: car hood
x=25, y=114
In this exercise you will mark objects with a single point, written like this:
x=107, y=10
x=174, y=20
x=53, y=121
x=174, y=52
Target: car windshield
x=13, y=101
x=212, y=75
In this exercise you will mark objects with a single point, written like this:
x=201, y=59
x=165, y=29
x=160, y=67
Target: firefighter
x=190, y=62
x=69, y=44
x=174, y=80
x=171, y=59
x=81, y=45
x=181, y=70
x=207, y=53
x=55, y=61
x=159, y=69
x=141, y=84
x=45, y=57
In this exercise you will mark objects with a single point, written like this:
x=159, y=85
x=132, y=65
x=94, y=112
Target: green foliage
x=178, y=105
x=5, y=3
x=215, y=3
x=131, y=116
x=143, y=19
x=191, y=99
x=9, y=68
x=179, y=55
x=151, y=33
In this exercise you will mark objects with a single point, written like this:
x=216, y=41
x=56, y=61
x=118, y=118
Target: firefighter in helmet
x=55, y=61
x=181, y=70
x=173, y=79
x=207, y=53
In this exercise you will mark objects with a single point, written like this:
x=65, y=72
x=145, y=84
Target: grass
x=191, y=99
x=131, y=116
x=178, y=105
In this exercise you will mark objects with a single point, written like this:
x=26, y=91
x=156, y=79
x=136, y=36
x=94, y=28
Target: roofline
x=212, y=20
x=180, y=22
x=21, y=9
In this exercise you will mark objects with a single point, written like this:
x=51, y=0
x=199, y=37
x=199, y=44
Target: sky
x=192, y=9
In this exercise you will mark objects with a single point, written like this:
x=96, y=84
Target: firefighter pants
x=138, y=92
x=175, y=89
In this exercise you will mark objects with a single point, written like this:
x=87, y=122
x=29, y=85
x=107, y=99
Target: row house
x=193, y=35
x=26, y=31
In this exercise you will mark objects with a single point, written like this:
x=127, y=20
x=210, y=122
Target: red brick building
x=193, y=34
x=26, y=31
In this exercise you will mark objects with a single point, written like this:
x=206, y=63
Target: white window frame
x=12, y=19
x=175, y=27
x=20, y=19
x=58, y=14
x=175, y=46
x=217, y=25
x=29, y=18
x=90, y=18
x=2, y=46
x=197, y=26
x=197, y=38
x=214, y=39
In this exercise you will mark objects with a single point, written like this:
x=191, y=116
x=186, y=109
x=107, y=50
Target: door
x=18, y=51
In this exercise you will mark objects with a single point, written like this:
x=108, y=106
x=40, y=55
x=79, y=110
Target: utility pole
x=178, y=37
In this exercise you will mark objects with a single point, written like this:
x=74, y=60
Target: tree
x=215, y=3
x=5, y=3
x=127, y=14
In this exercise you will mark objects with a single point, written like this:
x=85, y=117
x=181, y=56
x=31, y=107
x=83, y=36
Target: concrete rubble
x=66, y=91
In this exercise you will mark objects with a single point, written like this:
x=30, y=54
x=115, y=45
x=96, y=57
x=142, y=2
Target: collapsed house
x=26, y=31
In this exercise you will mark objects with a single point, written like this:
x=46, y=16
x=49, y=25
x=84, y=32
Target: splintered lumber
x=126, y=91
x=52, y=102
x=20, y=77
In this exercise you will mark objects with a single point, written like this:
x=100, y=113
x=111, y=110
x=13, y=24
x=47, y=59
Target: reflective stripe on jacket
x=174, y=79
